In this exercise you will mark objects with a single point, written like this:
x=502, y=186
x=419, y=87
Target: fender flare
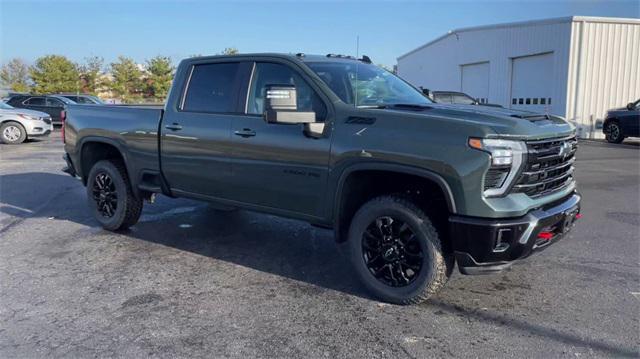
x=391, y=167
x=118, y=146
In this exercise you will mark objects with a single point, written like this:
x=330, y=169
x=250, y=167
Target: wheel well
x=361, y=186
x=93, y=152
x=17, y=123
x=11, y=120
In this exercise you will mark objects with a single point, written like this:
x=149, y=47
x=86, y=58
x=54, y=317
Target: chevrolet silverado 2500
x=409, y=186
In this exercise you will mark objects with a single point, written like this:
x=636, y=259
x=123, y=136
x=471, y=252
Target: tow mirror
x=281, y=106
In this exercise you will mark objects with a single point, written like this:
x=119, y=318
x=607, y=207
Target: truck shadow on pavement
x=282, y=247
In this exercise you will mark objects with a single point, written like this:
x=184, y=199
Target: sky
x=178, y=29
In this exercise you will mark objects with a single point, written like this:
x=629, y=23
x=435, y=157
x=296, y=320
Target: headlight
x=27, y=117
x=507, y=156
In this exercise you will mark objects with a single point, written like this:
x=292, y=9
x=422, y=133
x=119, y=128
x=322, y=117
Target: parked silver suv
x=18, y=124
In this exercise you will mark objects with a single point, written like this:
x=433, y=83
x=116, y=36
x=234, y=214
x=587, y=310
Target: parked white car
x=18, y=124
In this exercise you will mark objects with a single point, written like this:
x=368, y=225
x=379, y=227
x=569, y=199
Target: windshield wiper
x=411, y=106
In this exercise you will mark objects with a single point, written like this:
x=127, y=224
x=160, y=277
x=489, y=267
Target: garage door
x=531, y=83
x=475, y=81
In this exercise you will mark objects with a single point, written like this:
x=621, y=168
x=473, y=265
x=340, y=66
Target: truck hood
x=505, y=122
x=23, y=111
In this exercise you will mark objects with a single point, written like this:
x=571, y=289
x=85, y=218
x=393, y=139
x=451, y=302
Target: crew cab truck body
x=409, y=186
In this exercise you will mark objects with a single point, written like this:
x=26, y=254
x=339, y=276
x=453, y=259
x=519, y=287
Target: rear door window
x=212, y=88
x=442, y=98
x=462, y=99
x=54, y=102
x=35, y=101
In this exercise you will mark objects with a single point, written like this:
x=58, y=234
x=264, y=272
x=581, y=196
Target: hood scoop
x=538, y=119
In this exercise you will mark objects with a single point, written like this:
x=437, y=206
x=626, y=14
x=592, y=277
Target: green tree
x=229, y=51
x=160, y=74
x=91, y=74
x=127, y=81
x=54, y=73
x=15, y=75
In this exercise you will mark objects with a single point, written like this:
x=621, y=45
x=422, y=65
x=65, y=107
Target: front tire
x=396, y=251
x=12, y=133
x=111, y=197
x=614, y=133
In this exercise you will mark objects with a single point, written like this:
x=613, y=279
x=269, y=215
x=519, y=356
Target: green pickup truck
x=410, y=187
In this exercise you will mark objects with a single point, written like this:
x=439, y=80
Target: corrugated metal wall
x=596, y=63
x=604, y=71
x=437, y=66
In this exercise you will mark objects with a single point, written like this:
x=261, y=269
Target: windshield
x=363, y=85
x=4, y=106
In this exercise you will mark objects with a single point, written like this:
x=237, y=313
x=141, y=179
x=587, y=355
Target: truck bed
x=133, y=129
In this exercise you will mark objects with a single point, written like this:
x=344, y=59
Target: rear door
x=276, y=165
x=196, y=136
x=631, y=121
x=54, y=108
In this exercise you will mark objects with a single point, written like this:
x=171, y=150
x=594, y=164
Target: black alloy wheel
x=105, y=194
x=391, y=251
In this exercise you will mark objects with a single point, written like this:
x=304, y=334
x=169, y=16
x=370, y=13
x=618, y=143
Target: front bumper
x=38, y=128
x=491, y=245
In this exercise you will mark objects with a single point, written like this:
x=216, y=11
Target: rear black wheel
x=110, y=196
x=396, y=251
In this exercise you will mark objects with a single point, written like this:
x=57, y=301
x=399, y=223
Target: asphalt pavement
x=192, y=281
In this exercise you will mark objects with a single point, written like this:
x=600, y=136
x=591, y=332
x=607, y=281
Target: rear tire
x=111, y=197
x=396, y=251
x=12, y=133
x=613, y=134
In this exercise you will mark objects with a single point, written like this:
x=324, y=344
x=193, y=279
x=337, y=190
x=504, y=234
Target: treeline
x=123, y=80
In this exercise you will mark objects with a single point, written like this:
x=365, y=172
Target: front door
x=196, y=137
x=37, y=104
x=276, y=165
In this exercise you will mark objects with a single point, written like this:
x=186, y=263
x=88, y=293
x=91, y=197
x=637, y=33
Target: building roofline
x=557, y=20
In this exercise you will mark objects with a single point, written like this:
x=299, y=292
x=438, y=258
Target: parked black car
x=51, y=104
x=622, y=122
x=84, y=99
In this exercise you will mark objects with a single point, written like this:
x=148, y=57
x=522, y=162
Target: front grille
x=549, y=166
x=46, y=120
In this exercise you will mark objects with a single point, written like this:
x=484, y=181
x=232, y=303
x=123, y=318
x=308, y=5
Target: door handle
x=245, y=132
x=173, y=127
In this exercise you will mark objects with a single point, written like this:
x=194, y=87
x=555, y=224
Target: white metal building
x=576, y=67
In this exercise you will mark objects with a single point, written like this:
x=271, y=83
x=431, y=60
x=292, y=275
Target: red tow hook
x=545, y=235
x=579, y=215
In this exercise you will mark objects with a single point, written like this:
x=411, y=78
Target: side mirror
x=630, y=106
x=281, y=106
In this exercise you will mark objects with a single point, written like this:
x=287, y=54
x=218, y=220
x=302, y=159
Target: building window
x=520, y=101
x=543, y=101
x=528, y=102
x=549, y=101
x=535, y=100
x=514, y=101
